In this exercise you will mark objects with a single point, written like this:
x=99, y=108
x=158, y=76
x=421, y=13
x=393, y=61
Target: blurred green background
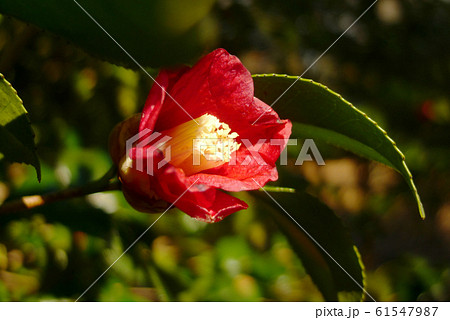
x=394, y=64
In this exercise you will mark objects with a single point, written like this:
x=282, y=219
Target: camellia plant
x=207, y=131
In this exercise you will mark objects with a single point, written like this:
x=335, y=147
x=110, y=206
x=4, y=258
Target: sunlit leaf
x=16, y=135
x=319, y=113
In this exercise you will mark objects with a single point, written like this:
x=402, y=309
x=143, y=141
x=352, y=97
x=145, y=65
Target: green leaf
x=319, y=113
x=316, y=236
x=154, y=33
x=16, y=135
x=160, y=284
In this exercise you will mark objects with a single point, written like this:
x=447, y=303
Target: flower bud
x=135, y=184
x=119, y=136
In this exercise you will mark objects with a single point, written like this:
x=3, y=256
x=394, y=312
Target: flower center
x=200, y=145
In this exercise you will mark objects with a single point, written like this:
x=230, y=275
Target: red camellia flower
x=196, y=135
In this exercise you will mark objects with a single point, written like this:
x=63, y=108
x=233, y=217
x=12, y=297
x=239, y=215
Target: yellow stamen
x=197, y=147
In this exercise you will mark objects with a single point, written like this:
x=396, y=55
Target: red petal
x=154, y=102
x=158, y=93
x=218, y=84
x=223, y=206
x=198, y=200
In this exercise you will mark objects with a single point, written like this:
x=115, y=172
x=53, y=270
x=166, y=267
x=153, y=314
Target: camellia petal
x=212, y=104
x=222, y=86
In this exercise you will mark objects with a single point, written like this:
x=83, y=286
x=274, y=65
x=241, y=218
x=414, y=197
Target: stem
x=29, y=202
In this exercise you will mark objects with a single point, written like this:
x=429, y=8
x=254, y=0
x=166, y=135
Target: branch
x=29, y=202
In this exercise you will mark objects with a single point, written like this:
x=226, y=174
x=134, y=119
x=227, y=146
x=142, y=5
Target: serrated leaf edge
x=409, y=181
x=38, y=168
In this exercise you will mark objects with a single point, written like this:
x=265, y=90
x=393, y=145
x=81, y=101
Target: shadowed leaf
x=154, y=33
x=319, y=231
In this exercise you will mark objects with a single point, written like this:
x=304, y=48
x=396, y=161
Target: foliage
x=74, y=100
x=122, y=20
